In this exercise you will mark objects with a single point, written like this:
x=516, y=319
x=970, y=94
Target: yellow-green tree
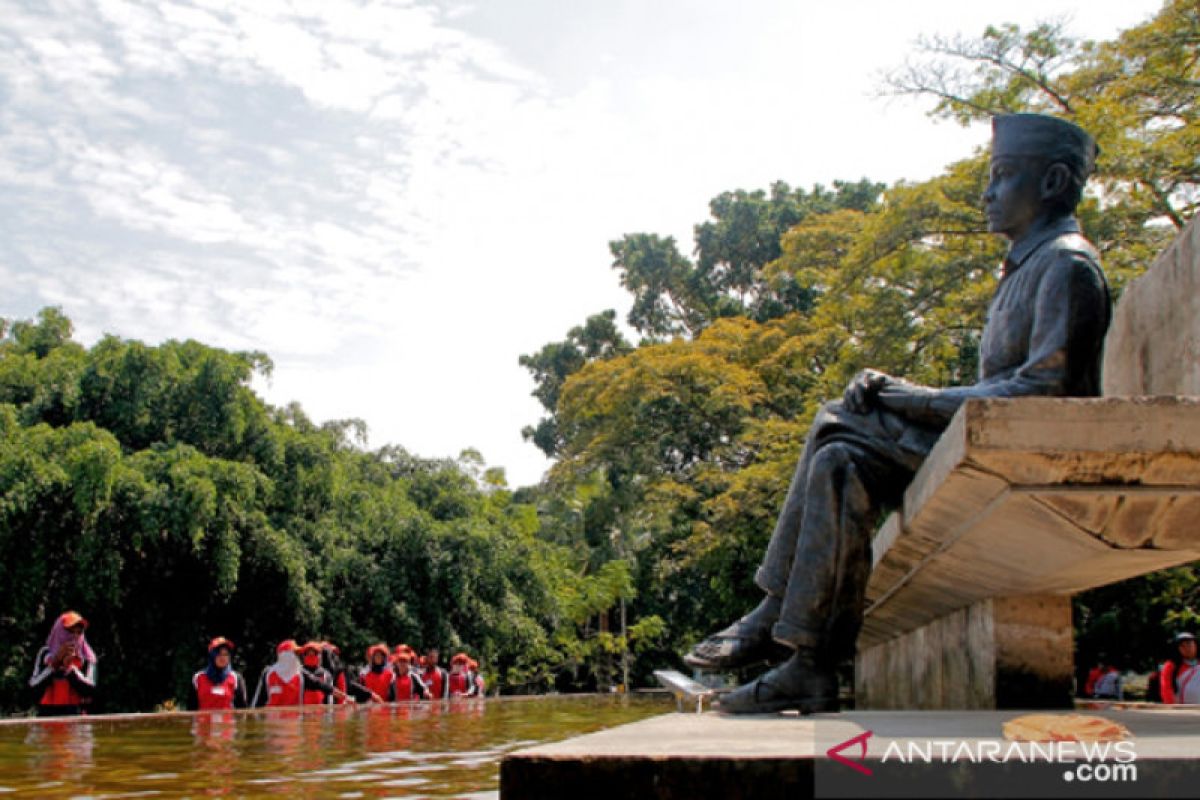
x=695, y=433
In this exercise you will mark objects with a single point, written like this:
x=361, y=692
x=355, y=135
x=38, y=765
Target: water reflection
x=446, y=749
x=215, y=753
x=60, y=750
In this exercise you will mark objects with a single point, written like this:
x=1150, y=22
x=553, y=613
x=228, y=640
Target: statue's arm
x=1071, y=313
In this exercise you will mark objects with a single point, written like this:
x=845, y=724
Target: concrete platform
x=711, y=755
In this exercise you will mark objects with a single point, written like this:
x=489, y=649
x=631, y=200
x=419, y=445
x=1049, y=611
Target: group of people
x=64, y=675
x=314, y=674
x=1175, y=681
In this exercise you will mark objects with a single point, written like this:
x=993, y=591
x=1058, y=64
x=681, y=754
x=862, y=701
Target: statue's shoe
x=799, y=684
x=742, y=644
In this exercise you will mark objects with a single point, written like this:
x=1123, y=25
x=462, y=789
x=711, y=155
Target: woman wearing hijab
x=408, y=684
x=281, y=684
x=218, y=686
x=318, y=682
x=460, y=678
x=377, y=677
x=64, y=671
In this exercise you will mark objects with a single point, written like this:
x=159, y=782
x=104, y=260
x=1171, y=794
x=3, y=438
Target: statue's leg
x=748, y=641
x=776, y=568
x=822, y=605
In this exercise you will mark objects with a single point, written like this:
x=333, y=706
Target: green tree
x=597, y=338
x=151, y=489
x=674, y=296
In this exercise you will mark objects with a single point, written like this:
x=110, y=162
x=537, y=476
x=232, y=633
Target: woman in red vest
x=433, y=675
x=408, y=684
x=318, y=683
x=64, y=671
x=218, y=686
x=460, y=679
x=281, y=683
x=377, y=677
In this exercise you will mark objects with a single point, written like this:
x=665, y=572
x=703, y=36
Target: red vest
x=405, y=690
x=60, y=692
x=211, y=695
x=281, y=692
x=458, y=684
x=379, y=682
x=433, y=679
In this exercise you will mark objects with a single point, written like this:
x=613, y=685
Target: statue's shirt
x=1044, y=336
x=1046, y=323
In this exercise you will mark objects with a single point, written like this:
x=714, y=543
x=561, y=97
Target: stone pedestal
x=686, y=756
x=1003, y=652
x=1153, y=345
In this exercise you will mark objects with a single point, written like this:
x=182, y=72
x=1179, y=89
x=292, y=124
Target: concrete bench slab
x=1039, y=495
x=1021, y=503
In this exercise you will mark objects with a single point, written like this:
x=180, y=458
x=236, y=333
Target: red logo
x=861, y=740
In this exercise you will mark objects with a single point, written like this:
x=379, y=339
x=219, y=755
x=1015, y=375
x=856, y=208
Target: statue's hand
x=863, y=389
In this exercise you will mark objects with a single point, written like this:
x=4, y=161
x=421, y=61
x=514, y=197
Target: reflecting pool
x=445, y=749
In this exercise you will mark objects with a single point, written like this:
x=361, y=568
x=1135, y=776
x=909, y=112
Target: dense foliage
x=151, y=489
x=686, y=443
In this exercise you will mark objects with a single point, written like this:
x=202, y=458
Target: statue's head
x=1039, y=167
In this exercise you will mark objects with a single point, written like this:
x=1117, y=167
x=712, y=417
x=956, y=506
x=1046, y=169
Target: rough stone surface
x=1153, y=345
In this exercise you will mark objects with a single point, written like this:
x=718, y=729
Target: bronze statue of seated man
x=1044, y=335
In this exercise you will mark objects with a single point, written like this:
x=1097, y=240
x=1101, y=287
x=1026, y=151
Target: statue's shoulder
x=1072, y=258
x=1073, y=245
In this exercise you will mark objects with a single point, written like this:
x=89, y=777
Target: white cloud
x=396, y=199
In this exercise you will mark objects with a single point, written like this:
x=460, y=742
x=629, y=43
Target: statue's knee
x=833, y=457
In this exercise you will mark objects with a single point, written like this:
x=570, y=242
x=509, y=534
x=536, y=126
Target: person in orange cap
x=318, y=683
x=459, y=682
x=402, y=649
x=218, y=686
x=408, y=684
x=281, y=683
x=477, y=682
x=377, y=678
x=433, y=675
x=64, y=670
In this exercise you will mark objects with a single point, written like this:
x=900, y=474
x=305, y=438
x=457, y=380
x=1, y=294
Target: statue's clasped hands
x=864, y=388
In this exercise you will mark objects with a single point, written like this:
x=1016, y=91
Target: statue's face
x=1012, y=200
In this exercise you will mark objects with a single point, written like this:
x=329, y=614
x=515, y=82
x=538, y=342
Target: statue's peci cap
x=1046, y=137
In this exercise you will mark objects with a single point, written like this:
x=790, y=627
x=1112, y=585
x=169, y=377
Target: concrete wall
x=1153, y=345
x=1003, y=652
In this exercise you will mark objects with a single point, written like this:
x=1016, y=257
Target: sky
x=395, y=199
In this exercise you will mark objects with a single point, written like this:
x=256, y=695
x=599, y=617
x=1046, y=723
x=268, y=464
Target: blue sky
x=397, y=199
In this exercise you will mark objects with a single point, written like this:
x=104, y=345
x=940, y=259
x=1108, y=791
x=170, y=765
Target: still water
x=446, y=749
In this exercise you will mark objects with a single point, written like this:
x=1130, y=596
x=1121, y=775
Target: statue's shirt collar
x=1037, y=236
